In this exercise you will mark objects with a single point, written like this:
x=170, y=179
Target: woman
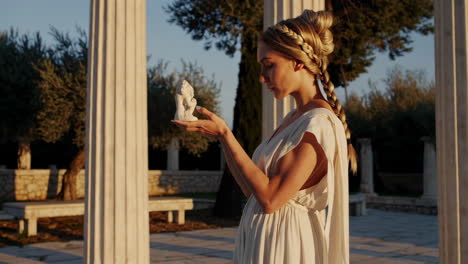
x=302, y=169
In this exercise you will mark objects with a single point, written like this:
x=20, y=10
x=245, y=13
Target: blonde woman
x=297, y=180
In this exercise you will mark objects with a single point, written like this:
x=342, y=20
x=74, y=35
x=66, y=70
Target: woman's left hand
x=213, y=126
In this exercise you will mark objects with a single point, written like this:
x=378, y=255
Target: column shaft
x=173, y=155
x=273, y=110
x=452, y=128
x=366, y=163
x=116, y=212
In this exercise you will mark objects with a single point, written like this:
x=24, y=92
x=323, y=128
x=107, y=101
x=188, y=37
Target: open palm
x=213, y=126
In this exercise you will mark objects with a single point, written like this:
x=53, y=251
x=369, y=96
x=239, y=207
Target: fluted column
x=116, y=214
x=366, y=164
x=273, y=110
x=173, y=155
x=451, y=48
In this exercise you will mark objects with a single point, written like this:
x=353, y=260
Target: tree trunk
x=68, y=189
x=24, y=156
x=229, y=197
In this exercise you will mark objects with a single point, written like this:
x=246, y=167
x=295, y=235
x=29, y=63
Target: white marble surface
x=185, y=102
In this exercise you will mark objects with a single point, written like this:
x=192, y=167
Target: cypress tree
x=247, y=124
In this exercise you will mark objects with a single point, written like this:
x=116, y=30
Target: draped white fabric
x=300, y=231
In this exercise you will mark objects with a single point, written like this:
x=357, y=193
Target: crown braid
x=300, y=42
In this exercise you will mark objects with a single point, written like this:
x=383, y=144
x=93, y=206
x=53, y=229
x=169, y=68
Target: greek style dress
x=313, y=226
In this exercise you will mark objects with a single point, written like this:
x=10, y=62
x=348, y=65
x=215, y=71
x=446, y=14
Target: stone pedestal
x=24, y=156
x=173, y=155
x=116, y=210
x=273, y=110
x=366, y=164
x=451, y=48
x=429, y=172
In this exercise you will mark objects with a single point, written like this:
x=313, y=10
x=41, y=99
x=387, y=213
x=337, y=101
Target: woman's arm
x=236, y=172
x=290, y=174
x=291, y=171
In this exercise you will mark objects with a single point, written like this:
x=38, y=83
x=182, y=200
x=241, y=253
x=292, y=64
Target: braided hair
x=308, y=39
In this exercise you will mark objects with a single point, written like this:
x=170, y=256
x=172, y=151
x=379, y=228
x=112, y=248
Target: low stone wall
x=403, y=204
x=171, y=182
x=22, y=185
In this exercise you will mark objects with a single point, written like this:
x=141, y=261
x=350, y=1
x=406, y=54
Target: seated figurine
x=185, y=102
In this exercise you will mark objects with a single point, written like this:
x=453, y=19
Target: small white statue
x=185, y=102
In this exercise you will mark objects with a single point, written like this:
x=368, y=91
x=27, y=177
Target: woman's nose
x=262, y=79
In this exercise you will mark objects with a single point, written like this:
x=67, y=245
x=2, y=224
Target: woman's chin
x=279, y=96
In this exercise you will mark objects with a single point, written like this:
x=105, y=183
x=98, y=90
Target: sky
x=169, y=42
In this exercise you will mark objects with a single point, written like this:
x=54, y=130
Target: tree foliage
x=396, y=119
x=19, y=100
x=161, y=103
x=62, y=87
x=365, y=27
x=62, y=83
x=218, y=22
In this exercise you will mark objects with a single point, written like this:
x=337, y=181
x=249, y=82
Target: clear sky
x=169, y=42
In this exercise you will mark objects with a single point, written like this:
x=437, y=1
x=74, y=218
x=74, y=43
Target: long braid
x=329, y=89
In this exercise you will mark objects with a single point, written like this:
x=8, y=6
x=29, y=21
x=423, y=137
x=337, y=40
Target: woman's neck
x=308, y=99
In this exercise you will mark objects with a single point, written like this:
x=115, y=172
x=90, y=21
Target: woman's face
x=277, y=71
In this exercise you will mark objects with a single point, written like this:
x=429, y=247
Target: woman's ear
x=298, y=65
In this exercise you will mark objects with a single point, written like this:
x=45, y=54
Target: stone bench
x=29, y=212
x=357, y=204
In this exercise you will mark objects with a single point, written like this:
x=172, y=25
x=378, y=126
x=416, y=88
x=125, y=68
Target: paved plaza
x=380, y=237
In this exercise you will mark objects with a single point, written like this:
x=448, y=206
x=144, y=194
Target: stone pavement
x=380, y=237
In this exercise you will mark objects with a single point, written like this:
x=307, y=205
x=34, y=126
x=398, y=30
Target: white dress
x=312, y=227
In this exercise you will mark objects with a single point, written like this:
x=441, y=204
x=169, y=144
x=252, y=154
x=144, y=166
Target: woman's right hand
x=213, y=126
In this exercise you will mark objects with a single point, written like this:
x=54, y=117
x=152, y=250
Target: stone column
x=366, y=164
x=429, y=171
x=451, y=48
x=273, y=110
x=116, y=201
x=173, y=155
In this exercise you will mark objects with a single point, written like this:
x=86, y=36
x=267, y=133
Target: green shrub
x=395, y=119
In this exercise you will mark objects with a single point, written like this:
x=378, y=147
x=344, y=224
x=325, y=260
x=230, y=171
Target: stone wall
x=21, y=185
x=170, y=182
x=403, y=204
